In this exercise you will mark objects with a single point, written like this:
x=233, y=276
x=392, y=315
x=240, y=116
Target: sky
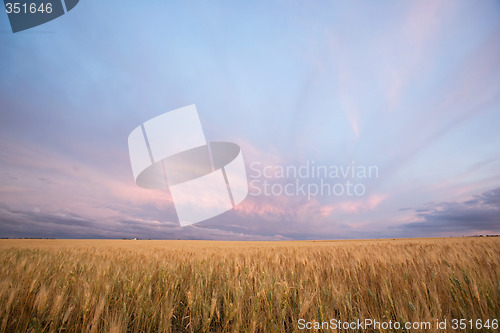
x=410, y=89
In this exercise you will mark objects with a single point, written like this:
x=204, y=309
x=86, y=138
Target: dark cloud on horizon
x=15, y=223
x=479, y=215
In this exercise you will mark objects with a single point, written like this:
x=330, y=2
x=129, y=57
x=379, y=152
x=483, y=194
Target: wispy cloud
x=410, y=87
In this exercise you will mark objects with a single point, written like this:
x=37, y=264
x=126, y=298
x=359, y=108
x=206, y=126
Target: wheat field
x=208, y=286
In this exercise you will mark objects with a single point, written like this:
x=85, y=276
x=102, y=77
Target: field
x=206, y=286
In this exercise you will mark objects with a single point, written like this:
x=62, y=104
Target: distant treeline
x=484, y=236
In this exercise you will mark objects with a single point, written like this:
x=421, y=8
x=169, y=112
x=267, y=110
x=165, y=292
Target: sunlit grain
x=178, y=286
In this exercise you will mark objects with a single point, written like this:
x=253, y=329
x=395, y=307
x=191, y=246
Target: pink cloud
x=300, y=209
x=51, y=182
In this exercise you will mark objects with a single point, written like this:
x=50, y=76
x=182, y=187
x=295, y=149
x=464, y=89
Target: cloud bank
x=479, y=215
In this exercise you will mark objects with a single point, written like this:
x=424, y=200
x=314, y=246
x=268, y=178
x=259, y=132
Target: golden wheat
x=204, y=286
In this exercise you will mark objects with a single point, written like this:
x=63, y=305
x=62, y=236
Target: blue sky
x=411, y=87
